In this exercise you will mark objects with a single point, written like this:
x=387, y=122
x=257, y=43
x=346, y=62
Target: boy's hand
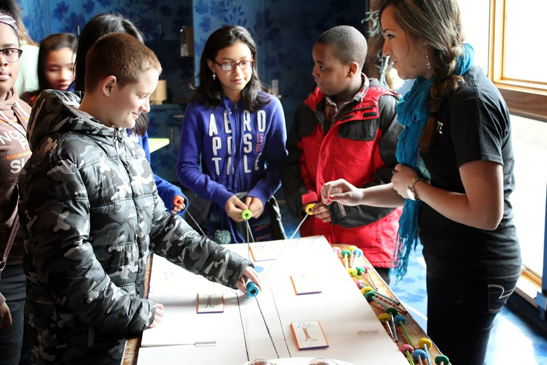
x=234, y=208
x=255, y=205
x=320, y=211
x=251, y=275
x=5, y=316
x=158, y=316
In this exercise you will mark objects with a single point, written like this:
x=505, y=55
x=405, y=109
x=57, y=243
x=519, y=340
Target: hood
x=56, y=112
x=13, y=107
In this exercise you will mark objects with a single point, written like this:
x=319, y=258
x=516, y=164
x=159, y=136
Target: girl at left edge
x=236, y=131
x=14, y=151
x=55, y=64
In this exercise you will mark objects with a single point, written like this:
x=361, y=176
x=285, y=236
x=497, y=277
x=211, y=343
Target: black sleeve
x=362, y=215
x=292, y=178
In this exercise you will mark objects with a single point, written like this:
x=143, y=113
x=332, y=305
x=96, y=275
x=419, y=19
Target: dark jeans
x=13, y=287
x=461, y=313
x=384, y=273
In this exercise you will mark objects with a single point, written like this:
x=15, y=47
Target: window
x=509, y=49
x=516, y=55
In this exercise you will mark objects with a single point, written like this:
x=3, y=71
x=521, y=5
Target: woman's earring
x=427, y=59
x=214, y=76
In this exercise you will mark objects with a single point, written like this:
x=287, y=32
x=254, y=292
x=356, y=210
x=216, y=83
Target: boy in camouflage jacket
x=92, y=213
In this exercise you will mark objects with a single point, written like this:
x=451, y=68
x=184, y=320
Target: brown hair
x=121, y=55
x=438, y=23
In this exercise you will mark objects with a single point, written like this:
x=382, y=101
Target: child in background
x=14, y=152
x=92, y=213
x=106, y=23
x=347, y=128
x=55, y=64
x=235, y=131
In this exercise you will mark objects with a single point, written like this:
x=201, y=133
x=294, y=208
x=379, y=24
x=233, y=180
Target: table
x=347, y=318
x=413, y=328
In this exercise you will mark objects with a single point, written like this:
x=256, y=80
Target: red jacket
x=359, y=147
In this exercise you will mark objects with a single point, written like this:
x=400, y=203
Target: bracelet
x=410, y=189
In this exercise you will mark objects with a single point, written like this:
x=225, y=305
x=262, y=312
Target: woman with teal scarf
x=454, y=177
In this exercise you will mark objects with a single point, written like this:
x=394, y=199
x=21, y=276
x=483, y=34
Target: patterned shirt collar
x=332, y=110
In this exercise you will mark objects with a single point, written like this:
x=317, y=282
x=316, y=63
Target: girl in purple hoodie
x=233, y=143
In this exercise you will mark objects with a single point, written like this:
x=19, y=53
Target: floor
x=519, y=336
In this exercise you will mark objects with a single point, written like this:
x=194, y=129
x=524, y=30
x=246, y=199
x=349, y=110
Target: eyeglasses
x=230, y=66
x=11, y=54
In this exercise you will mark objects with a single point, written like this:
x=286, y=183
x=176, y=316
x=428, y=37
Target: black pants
x=384, y=273
x=13, y=287
x=461, y=314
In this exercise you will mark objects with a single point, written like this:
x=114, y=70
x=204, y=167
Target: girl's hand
x=158, y=316
x=320, y=211
x=234, y=208
x=248, y=274
x=255, y=205
x=402, y=176
x=341, y=191
x=5, y=316
x=178, y=204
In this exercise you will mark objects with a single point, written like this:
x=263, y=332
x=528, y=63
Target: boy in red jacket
x=347, y=128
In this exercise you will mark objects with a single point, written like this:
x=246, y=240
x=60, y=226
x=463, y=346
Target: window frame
x=524, y=98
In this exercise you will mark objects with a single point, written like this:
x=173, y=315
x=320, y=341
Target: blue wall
x=284, y=31
x=160, y=22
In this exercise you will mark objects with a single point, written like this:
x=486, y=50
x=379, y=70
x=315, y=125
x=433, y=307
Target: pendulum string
x=246, y=215
x=196, y=223
x=281, y=324
x=308, y=213
x=267, y=328
x=242, y=326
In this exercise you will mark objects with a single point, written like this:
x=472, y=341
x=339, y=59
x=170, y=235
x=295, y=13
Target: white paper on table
x=354, y=333
x=305, y=284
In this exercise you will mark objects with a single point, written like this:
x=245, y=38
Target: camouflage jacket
x=92, y=213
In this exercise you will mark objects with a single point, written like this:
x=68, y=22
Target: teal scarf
x=412, y=113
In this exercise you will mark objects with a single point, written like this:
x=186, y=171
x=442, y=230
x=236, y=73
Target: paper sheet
x=239, y=334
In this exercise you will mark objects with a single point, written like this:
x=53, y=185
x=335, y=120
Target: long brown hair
x=438, y=23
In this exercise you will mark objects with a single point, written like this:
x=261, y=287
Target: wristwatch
x=410, y=189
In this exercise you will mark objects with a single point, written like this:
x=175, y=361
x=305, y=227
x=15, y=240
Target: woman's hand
x=402, y=176
x=5, y=316
x=255, y=206
x=234, y=208
x=251, y=275
x=341, y=191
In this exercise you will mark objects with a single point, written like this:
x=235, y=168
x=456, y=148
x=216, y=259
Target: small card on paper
x=210, y=302
x=265, y=251
x=305, y=284
x=309, y=335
